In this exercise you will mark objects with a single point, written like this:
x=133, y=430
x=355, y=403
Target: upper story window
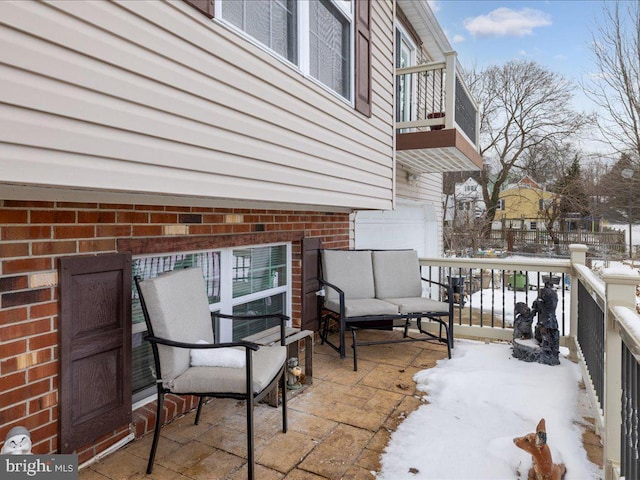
x=273, y=23
x=314, y=35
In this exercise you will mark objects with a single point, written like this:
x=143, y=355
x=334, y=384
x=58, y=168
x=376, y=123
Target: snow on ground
x=479, y=400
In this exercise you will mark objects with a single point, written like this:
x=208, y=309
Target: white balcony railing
x=599, y=323
x=435, y=95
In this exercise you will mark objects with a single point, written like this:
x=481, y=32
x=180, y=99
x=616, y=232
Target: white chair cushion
x=396, y=274
x=231, y=357
x=419, y=304
x=363, y=306
x=266, y=361
x=349, y=270
x=179, y=310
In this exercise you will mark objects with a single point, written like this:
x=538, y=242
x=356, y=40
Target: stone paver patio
x=338, y=427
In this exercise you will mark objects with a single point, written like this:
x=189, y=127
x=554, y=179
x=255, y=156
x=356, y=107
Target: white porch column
x=450, y=89
x=620, y=291
x=578, y=257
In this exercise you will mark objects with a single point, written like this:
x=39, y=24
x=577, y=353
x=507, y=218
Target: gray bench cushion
x=396, y=274
x=419, y=304
x=178, y=309
x=363, y=306
x=266, y=363
x=351, y=271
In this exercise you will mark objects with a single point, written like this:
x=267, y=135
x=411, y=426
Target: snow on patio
x=478, y=402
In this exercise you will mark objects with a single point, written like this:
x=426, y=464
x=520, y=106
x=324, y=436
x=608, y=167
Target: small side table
x=293, y=336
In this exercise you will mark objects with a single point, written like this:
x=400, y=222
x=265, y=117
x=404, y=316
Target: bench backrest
x=349, y=270
x=396, y=274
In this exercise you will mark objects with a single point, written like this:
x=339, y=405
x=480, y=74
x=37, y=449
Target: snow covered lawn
x=478, y=402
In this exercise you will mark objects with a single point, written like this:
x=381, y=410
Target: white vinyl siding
x=153, y=100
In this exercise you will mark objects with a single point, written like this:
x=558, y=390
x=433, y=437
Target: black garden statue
x=545, y=347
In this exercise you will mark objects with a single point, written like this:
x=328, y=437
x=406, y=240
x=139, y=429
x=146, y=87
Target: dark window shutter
x=310, y=285
x=204, y=6
x=95, y=348
x=363, y=57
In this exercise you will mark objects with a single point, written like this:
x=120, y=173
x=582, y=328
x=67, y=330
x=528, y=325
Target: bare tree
x=523, y=106
x=616, y=87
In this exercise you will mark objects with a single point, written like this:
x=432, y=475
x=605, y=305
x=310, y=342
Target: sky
x=478, y=402
x=557, y=34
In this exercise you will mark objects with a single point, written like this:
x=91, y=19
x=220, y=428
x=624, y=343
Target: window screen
x=329, y=46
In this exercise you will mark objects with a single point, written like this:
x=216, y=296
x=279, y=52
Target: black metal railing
x=486, y=297
x=591, y=338
x=465, y=111
x=629, y=461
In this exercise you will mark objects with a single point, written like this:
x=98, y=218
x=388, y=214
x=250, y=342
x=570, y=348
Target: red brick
x=19, y=203
x=26, y=297
x=115, y=206
x=26, y=265
x=53, y=216
x=43, y=341
x=113, y=230
x=77, y=205
x=13, y=216
x=200, y=229
x=15, y=380
x=14, y=348
x=8, y=284
x=213, y=218
x=13, y=413
x=14, y=250
x=74, y=231
x=102, y=245
x=13, y=315
x=147, y=231
x=24, y=393
x=171, y=208
x=26, y=233
x=44, y=402
x=97, y=216
x=164, y=218
x=24, y=329
x=132, y=217
x=42, y=371
x=156, y=208
x=45, y=431
x=43, y=310
x=53, y=248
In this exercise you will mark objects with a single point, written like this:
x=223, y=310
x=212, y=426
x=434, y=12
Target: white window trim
x=303, y=67
x=413, y=60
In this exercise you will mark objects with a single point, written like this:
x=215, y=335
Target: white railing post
x=578, y=257
x=450, y=89
x=620, y=290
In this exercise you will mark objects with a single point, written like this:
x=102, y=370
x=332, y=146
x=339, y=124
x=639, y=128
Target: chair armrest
x=283, y=321
x=173, y=343
x=449, y=289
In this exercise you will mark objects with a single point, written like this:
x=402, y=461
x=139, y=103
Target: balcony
x=437, y=122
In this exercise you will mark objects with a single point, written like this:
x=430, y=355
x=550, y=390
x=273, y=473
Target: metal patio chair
x=178, y=319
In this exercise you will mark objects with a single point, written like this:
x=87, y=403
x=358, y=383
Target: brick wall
x=34, y=234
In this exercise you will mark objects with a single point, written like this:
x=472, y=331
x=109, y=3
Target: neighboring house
x=524, y=206
x=466, y=204
x=138, y=137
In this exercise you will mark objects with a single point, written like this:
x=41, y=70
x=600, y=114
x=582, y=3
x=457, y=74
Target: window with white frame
x=314, y=35
x=240, y=280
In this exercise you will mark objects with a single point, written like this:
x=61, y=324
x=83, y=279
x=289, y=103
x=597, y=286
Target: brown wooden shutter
x=310, y=284
x=363, y=57
x=204, y=6
x=95, y=348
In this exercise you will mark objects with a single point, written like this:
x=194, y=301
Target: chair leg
x=250, y=459
x=355, y=350
x=200, y=403
x=156, y=433
x=283, y=386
